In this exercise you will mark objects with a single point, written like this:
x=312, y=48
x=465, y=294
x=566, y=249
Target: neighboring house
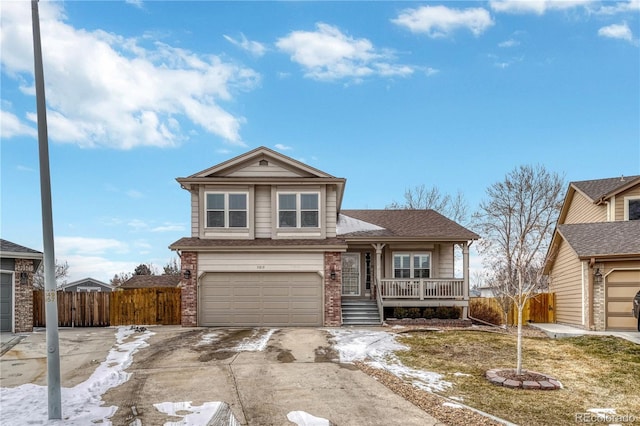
x=594, y=259
x=151, y=281
x=18, y=264
x=86, y=285
x=485, y=291
x=270, y=245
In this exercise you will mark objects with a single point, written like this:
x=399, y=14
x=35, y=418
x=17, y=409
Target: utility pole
x=51, y=303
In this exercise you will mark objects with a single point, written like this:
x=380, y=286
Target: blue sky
x=389, y=95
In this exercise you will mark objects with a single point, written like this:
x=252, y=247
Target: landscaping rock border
x=496, y=376
x=435, y=322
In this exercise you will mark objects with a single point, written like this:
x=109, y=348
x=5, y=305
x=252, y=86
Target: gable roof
x=89, y=281
x=296, y=172
x=600, y=189
x=259, y=154
x=603, y=239
x=9, y=250
x=402, y=225
x=147, y=281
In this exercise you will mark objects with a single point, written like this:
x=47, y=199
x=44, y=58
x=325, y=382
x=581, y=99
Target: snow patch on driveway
x=376, y=348
x=81, y=404
x=302, y=418
x=256, y=343
x=198, y=414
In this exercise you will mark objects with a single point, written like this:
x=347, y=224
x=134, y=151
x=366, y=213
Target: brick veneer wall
x=599, y=322
x=23, y=309
x=333, y=289
x=189, y=261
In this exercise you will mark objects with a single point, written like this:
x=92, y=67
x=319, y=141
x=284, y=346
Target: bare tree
x=119, y=279
x=422, y=198
x=517, y=222
x=171, y=268
x=62, y=272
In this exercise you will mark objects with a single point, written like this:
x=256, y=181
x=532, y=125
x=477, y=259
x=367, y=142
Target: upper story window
x=632, y=207
x=299, y=210
x=226, y=210
x=412, y=265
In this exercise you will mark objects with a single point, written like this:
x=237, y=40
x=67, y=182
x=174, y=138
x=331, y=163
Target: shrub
x=485, y=312
x=429, y=313
x=448, y=312
x=413, y=312
x=400, y=313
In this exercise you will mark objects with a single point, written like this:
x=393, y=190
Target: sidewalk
x=9, y=340
x=557, y=331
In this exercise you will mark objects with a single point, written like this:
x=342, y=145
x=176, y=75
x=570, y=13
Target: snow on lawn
x=81, y=404
x=376, y=348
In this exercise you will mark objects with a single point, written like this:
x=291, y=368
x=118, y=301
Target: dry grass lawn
x=595, y=371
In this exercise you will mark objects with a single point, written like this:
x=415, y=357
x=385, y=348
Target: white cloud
x=619, y=31
x=11, y=126
x=107, y=90
x=282, y=147
x=67, y=246
x=619, y=7
x=509, y=43
x=441, y=21
x=253, y=47
x=132, y=193
x=328, y=54
x=136, y=3
x=169, y=227
x=538, y=7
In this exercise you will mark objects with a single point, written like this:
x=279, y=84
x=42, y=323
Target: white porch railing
x=421, y=288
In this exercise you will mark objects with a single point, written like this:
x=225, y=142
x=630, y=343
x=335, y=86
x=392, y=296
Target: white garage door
x=622, y=286
x=260, y=299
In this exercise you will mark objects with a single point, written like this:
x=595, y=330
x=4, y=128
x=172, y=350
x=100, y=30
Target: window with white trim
x=632, y=207
x=298, y=210
x=226, y=210
x=412, y=265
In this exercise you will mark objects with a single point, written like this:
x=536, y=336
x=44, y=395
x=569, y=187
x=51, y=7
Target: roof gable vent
x=263, y=163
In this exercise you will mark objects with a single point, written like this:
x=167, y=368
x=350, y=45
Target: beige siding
x=566, y=283
x=195, y=210
x=581, y=210
x=620, y=201
x=331, y=211
x=263, y=214
x=272, y=170
x=261, y=262
x=445, y=260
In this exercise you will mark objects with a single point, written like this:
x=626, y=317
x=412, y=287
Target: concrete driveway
x=294, y=372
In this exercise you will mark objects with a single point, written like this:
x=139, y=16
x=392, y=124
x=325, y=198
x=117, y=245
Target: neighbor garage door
x=260, y=299
x=6, y=302
x=621, y=287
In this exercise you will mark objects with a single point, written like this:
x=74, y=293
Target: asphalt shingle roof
x=9, y=247
x=597, y=188
x=202, y=243
x=603, y=238
x=422, y=224
x=148, y=281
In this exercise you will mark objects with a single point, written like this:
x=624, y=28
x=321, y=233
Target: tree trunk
x=519, y=344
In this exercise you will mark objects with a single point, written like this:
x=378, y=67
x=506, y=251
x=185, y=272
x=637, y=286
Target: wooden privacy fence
x=539, y=309
x=145, y=306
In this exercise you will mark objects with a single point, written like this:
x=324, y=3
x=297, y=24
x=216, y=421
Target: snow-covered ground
x=83, y=405
x=376, y=348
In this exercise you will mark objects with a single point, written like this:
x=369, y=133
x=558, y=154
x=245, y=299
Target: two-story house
x=270, y=245
x=594, y=259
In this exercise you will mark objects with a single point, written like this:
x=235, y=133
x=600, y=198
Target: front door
x=351, y=274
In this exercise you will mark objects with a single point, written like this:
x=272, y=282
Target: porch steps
x=360, y=312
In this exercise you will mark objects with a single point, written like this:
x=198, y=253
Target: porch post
x=378, y=247
x=465, y=275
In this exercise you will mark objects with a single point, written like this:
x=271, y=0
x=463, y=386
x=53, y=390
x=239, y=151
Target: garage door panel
x=621, y=287
x=260, y=299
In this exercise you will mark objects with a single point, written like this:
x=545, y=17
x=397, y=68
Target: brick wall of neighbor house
x=23, y=296
x=189, y=261
x=598, y=301
x=333, y=290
